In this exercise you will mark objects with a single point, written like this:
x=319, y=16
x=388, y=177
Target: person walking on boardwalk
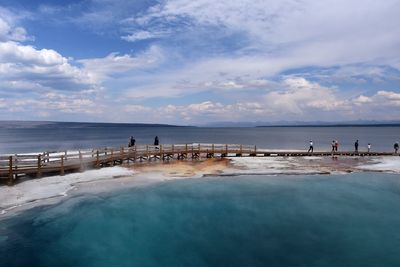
x=131, y=142
x=156, y=141
x=333, y=146
x=311, y=149
x=369, y=147
x=396, y=147
x=356, y=146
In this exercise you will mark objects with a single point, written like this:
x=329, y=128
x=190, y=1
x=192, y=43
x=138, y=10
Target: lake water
x=23, y=137
x=331, y=220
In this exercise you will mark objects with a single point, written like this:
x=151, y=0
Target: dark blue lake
x=21, y=137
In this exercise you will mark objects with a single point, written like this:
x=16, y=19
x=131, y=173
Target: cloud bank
x=188, y=62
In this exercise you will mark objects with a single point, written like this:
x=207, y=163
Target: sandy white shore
x=38, y=191
x=385, y=164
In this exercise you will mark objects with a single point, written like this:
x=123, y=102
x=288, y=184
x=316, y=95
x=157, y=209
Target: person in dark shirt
x=156, y=141
x=131, y=142
x=356, y=146
x=396, y=147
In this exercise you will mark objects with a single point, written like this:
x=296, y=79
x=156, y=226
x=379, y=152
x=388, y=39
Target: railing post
x=112, y=157
x=65, y=155
x=161, y=153
x=16, y=166
x=186, y=149
x=62, y=166
x=80, y=160
x=10, y=171
x=39, y=167
x=226, y=149
x=255, y=150
x=97, y=159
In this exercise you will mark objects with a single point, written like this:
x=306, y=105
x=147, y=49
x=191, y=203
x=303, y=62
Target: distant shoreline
x=22, y=123
x=332, y=125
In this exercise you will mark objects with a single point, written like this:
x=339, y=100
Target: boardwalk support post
x=80, y=161
x=39, y=166
x=122, y=154
x=97, y=159
x=62, y=166
x=10, y=171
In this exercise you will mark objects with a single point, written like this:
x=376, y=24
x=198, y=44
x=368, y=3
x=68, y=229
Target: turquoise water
x=344, y=220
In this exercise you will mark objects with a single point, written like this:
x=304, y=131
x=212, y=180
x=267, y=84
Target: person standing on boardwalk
x=311, y=149
x=356, y=146
x=396, y=147
x=156, y=141
x=336, y=145
x=333, y=146
x=131, y=142
x=369, y=147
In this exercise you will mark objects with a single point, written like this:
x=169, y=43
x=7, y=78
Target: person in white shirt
x=311, y=149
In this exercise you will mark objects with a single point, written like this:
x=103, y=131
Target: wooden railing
x=61, y=161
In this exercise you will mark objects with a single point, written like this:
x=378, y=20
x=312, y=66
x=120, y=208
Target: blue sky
x=193, y=62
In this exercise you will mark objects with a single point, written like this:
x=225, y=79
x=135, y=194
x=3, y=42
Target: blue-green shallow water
x=344, y=220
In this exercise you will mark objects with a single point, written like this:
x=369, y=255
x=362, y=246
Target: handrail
x=63, y=161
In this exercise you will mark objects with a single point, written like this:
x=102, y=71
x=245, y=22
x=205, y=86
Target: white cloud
x=9, y=31
x=294, y=33
x=143, y=35
x=2, y=103
x=295, y=99
x=54, y=104
x=26, y=54
x=380, y=99
x=137, y=108
x=361, y=100
x=102, y=68
x=21, y=64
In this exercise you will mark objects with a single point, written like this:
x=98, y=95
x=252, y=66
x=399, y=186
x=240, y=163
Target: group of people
x=335, y=145
x=132, y=141
x=356, y=147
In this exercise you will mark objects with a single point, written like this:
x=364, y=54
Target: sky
x=195, y=62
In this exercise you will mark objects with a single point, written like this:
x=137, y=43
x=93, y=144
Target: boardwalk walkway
x=50, y=163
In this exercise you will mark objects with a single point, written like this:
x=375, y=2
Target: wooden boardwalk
x=53, y=163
